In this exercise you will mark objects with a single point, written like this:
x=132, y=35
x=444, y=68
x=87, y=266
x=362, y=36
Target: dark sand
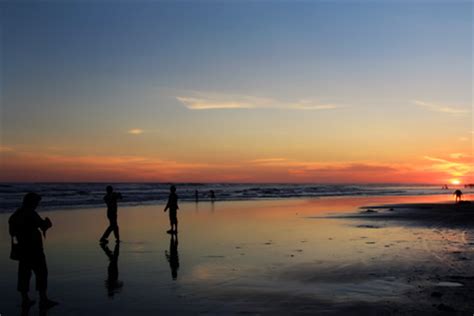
x=279, y=257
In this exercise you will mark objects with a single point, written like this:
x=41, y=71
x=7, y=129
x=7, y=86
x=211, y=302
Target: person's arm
x=167, y=205
x=43, y=224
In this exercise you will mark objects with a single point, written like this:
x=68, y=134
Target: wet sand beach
x=297, y=256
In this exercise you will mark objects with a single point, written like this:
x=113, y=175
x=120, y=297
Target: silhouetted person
x=172, y=256
x=458, y=195
x=26, y=226
x=112, y=283
x=196, y=196
x=172, y=205
x=212, y=195
x=111, y=199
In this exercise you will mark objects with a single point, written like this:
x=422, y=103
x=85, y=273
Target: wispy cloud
x=34, y=166
x=440, y=108
x=459, y=165
x=265, y=161
x=213, y=101
x=456, y=155
x=136, y=131
x=312, y=105
x=6, y=149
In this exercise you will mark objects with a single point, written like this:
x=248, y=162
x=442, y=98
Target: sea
x=86, y=195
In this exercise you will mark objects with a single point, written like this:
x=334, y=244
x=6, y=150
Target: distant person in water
x=458, y=195
x=26, y=226
x=111, y=199
x=196, y=196
x=172, y=256
x=212, y=195
x=172, y=206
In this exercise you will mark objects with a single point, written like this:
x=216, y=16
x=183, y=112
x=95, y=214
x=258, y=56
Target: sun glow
x=455, y=181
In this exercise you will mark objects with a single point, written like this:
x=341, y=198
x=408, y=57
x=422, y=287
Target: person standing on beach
x=172, y=205
x=111, y=199
x=25, y=226
x=458, y=195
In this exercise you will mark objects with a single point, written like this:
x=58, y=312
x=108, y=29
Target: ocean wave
x=78, y=195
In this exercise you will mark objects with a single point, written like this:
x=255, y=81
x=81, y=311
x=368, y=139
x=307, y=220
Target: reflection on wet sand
x=172, y=256
x=112, y=283
x=267, y=257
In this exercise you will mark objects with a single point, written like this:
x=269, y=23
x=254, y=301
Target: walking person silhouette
x=458, y=196
x=111, y=199
x=172, y=205
x=24, y=226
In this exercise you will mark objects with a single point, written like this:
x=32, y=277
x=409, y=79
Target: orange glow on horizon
x=18, y=166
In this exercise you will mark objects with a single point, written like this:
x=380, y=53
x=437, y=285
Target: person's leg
x=23, y=285
x=106, y=233
x=171, y=222
x=112, y=223
x=116, y=233
x=41, y=272
x=171, y=226
x=114, y=226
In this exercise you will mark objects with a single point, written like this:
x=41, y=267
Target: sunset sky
x=324, y=92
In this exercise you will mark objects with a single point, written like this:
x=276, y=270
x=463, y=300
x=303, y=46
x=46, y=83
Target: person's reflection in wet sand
x=112, y=284
x=25, y=310
x=212, y=207
x=173, y=257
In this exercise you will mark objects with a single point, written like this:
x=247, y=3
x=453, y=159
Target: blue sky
x=86, y=72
